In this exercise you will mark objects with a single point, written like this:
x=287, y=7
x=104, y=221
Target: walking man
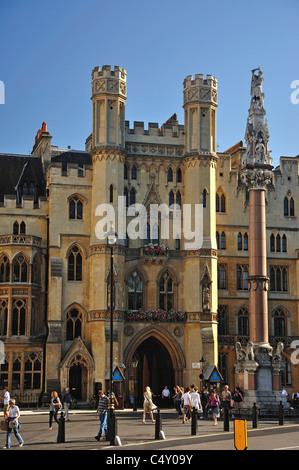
x=102, y=413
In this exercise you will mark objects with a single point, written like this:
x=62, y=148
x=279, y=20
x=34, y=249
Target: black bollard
x=254, y=416
x=194, y=422
x=158, y=424
x=280, y=414
x=61, y=428
x=226, y=419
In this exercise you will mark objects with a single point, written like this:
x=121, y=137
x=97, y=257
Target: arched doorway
x=155, y=368
x=160, y=362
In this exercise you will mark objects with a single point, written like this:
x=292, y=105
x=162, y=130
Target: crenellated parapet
x=108, y=81
x=199, y=88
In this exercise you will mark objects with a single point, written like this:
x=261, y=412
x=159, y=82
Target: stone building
x=177, y=311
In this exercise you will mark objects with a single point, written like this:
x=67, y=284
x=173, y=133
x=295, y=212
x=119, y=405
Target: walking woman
x=55, y=406
x=148, y=405
x=12, y=418
x=214, y=403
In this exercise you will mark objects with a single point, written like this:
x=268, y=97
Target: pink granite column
x=258, y=281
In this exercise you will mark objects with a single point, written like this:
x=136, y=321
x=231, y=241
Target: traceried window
x=3, y=317
x=135, y=294
x=75, y=264
x=73, y=324
x=20, y=269
x=166, y=292
x=222, y=320
x=243, y=321
x=242, y=277
x=221, y=276
x=32, y=371
x=76, y=208
x=19, y=317
x=4, y=269
x=289, y=206
x=278, y=278
x=280, y=322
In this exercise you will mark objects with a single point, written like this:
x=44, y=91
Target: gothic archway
x=160, y=362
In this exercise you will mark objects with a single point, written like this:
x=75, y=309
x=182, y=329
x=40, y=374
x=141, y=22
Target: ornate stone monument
x=258, y=368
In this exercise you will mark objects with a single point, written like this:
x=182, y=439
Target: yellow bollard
x=240, y=428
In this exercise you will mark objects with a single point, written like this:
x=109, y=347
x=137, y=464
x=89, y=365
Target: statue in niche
x=260, y=151
x=257, y=96
x=206, y=298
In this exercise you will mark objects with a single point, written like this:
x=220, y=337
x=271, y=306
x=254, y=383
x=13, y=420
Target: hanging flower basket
x=155, y=315
x=155, y=249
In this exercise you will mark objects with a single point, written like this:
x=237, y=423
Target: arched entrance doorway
x=155, y=368
x=160, y=362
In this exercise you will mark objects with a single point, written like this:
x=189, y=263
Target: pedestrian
x=66, y=402
x=177, y=400
x=204, y=400
x=214, y=402
x=226, y=397
x=102, y=414
x=186, y=405
x=5, y=398
x=55, y=406
x=12, y=419
x=237, y=398
x=195, y=399
x=166, y=396
x=148, y=405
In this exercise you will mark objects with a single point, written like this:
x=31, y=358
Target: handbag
x=13, y=424
x=3, y=425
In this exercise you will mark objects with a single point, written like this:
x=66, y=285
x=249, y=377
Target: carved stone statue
x=277, y=356
x=239, y=352
x=257, y=96
x=249, y=351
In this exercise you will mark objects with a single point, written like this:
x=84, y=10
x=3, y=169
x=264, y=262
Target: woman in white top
x=12, y=419
x=148, y=405
x=195, y=399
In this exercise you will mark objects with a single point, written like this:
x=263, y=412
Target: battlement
x=199, y=80
x=170, y=130
x=107, y=72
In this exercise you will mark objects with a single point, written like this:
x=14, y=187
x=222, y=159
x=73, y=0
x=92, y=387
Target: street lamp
x=111, y=241
x=135, y=365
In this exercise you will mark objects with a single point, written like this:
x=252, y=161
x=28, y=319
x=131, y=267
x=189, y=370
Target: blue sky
x=48, y=50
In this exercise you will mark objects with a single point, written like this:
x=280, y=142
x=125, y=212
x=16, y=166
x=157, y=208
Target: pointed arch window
x=135, y=292
x=3, y=317
x=36, y=271
x=132, y=197
x=243, y=321
x=125, y=172
x=242, y=277
x=289, y=206
x=204, y=198
x=133, y=173
x=170, y=175
x=74, y=321
x=19, y=317
x=166, y=292
x=222, y=319
x=217, y=240
x=278, y=278
x=179, y=175
x=171, y=198
x=4, y=269
x=75, y=264
x=179, y=198
x=284, y=244
x=75, y=208
x=111, y=193
x=278, y=243
x=223, y=241
x=126, y=195
x=279, y=322
x=221, y=276
x=20, y=269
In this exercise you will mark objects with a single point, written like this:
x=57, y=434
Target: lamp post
x=111, y=241
x=135, y=365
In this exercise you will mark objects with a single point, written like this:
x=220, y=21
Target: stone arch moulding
x=168, y=341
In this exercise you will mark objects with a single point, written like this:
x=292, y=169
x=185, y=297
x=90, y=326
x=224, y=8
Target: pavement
x=133, y=434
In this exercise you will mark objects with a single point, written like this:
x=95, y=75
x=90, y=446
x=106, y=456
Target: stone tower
x=108, y=154
x=200, y=162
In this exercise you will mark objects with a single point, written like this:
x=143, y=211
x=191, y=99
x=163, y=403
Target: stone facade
x=55, y=272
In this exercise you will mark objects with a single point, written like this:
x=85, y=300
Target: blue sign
x=117, y=376
x=215, y=377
